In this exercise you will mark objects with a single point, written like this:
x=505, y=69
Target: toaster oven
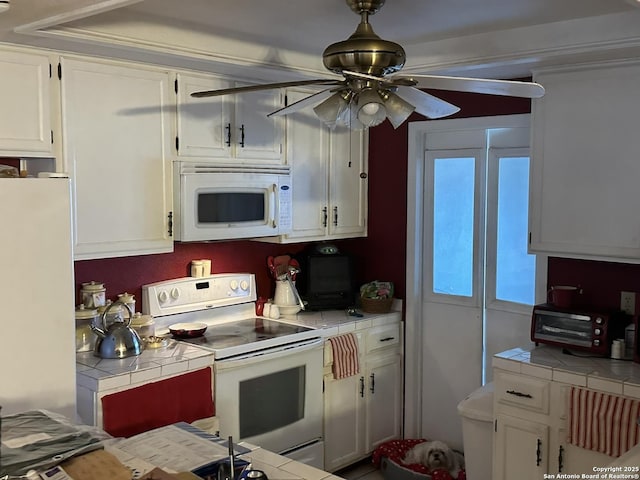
x=578, y=329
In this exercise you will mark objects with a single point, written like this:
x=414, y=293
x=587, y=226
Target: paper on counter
x=171, y=448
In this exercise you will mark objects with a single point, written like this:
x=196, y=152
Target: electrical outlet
x=628, y=302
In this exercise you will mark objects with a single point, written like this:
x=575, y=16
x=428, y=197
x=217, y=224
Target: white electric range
x=268, y=373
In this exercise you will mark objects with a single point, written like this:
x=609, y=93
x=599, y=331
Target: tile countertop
x=99, y=374
x=282, y=468
x=336, y=322
x=621, y=377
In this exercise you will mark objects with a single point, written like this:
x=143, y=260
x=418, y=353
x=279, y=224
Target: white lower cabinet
x=117, y=130
x=364, y=410
x=530, y=434
x=521, y=449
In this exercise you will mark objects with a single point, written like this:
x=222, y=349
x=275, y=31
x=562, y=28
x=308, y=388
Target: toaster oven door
x=562, y=328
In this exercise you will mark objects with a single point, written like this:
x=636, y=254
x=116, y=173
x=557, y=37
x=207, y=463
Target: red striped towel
x=602, y=422
x=345, y=355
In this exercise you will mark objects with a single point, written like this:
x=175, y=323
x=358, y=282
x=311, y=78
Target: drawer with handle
x=383, y=336
x=522, y=391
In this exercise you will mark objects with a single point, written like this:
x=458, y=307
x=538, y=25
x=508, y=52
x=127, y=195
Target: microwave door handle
x=274, y=211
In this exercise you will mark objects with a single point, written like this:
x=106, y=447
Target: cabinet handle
x=335, y=216
x=539, y=453
x=519, y=394
x=170, y=224
x=242, y=135
x=560, y=455
x=228, y=129
x=387, y=339
x=373, y=383
x=361, y=387
x=325, y=215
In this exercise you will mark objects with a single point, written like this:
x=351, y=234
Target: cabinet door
x=584, y=168
x=25, y=126
x=307, y=153
x=116, y=123
x=520, y=449
x=384, y=399
x=258, y=138
x=348, y=188
x=204, y=124
x=344, y=421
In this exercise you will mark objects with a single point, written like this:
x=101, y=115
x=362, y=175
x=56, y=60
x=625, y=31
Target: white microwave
x=218, y=202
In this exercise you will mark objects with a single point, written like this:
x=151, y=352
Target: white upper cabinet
x=117, y=132
x=25, y=96
x=329, y=177
x=230, y=129
x=585, y=166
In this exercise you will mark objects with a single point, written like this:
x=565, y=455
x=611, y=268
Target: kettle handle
x=127, y=322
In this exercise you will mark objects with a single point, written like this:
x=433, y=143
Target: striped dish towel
x=602, y=422
x=345, y=355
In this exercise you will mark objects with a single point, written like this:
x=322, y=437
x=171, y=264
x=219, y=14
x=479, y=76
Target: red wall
x=601, y=282
x=380, y=256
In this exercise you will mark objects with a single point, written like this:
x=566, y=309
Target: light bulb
x=371, y=108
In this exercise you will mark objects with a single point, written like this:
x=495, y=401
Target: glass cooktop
x=242, y=332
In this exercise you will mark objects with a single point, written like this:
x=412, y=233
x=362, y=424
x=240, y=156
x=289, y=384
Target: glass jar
x=85, y=337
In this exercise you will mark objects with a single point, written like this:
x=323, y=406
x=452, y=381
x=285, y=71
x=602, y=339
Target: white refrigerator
x=37, y=313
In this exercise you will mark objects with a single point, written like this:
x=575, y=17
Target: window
x=515, y=268
x=453, y=207
x=479, y=220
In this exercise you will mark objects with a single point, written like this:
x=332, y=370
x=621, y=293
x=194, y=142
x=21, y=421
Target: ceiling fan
x=369, y=92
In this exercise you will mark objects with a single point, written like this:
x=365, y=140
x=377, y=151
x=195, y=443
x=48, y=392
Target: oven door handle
x=267, y=354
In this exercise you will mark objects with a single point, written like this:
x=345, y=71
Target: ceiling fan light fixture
x=335, y=110
x=398, y=110
x=370, y=108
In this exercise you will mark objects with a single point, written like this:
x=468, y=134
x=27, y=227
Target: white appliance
x=38, y=354
x=215, y=202
x=268, y=373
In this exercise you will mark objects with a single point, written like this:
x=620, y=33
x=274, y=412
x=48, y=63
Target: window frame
x=475, y=300
x=491, y=254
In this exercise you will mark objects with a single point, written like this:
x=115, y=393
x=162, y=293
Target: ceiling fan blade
x=475, y=85
x=264, y=86
x=305, y=102
x=426, y=104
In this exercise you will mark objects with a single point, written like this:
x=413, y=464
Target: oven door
x=273, y=400
x=216, y=206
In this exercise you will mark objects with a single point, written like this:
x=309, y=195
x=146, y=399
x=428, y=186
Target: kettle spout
x=98, y=331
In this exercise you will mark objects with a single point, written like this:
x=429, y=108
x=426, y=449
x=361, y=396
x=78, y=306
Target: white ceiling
x=280, y=34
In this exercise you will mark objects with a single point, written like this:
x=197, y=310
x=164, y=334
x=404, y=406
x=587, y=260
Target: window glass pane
x=453, y=198
x=515, y=268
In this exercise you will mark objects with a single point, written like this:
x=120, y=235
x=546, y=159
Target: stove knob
x=599, y=320
x=175, y=293
x=244, y=285
x=163, y=296
x=596, y=343
x=597, y=331
x=233, y=284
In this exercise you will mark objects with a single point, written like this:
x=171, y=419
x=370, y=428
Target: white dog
x=434, y=455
